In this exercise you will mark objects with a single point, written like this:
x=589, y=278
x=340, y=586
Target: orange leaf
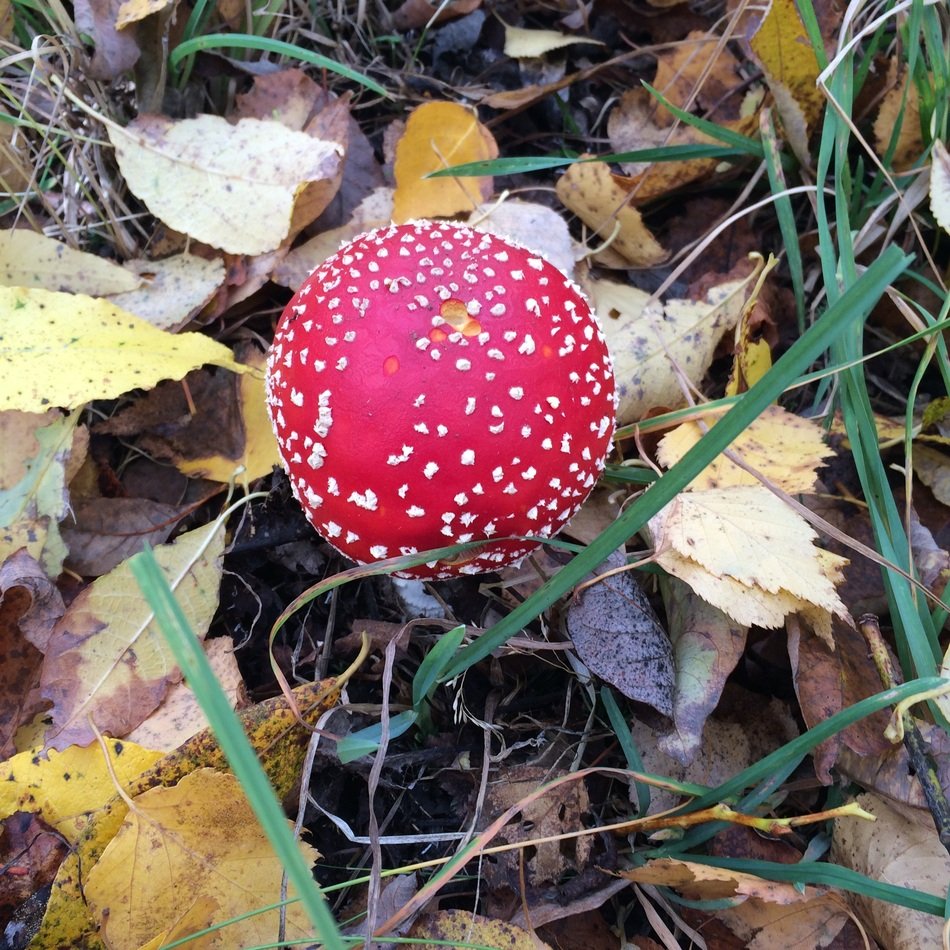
x=438, y=135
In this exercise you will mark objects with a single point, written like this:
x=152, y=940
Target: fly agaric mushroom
x=431, y=384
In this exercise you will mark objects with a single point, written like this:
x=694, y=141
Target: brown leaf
x=114, y=51
x=30, y=605
x=103, y=532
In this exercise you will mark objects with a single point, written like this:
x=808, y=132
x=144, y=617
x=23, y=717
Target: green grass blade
x=190, y=656
x=264, y=44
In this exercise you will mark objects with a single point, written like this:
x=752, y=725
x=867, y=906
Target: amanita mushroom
x=431, y=384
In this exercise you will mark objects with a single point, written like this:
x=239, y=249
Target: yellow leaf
x=438, y=135
x=63, y=788
x=274, y=731
x=172, y=290
x=526, y=44
x=231, y=186
x=746, y=552
x=791, y=69
x=655, y=347
x=195, y=843
x=30, y=259
x=106, y=660
x=131, y=11
x=752, y=359
x=940, y=185
x=590, y=191
x=783, y=447
x=899, y=113
x=259, y=453
x=699, y=68
x=456, y=928
x=67, y=349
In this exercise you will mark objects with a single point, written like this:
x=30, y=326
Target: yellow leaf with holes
x=791, y=70
x=940, y=185
x=65, y=788
x=784, y=448
x=438, y=135
x=67, y=349
x=200, y=859
x=746, y=552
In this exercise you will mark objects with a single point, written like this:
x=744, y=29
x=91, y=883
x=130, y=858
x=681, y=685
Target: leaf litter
x=143, y=310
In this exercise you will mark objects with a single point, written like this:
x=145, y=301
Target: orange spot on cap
x=390, y=365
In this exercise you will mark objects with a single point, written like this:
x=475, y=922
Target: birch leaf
x=231, y=186
x=67, y=349
x=940, y=185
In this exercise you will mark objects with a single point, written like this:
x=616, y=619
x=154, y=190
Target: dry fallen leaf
x=231, y=186
x=67, y=349
x=438, y=135
x=106, y=661
x=29, y=601
x=66, y=787
x=33, y=478
x=592, y=193
x=461, y=928
x=172, y=290
x=527, y=44
x=899, y=113
x=900, y=852
x=536, y=226
x=700, y=69
x=200, y=858
x=784, y=448
x=745, y=551
x=658, y=348
x=788, y=60
x=30, y=259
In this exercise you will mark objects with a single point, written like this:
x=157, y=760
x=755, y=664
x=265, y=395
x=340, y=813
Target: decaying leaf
x=940, y=184
x=457, y=928
x=593, y=194
x=30, y=259
x=33, y=496
x=745, y=551
x=231, y=186
x=707, y=646
x=439, y=135
x=274, y=731
x=67, y=349
x=640, y=122
x=788, y=60
x=180, y=716
x=30, y=605
x=106, y=661
x=172, y=290
x=901, y=852
x=700, y=69
x=619, y=638
x=65, y=788
x=784, y=448
x=657, y=348
x=898, y=119
x=201, y=858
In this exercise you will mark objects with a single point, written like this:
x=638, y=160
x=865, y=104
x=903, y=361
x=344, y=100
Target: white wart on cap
x=431, y=384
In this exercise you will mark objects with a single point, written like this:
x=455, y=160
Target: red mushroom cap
x=431, y=384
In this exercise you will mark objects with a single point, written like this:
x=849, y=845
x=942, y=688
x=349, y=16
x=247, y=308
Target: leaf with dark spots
x=619, y=638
